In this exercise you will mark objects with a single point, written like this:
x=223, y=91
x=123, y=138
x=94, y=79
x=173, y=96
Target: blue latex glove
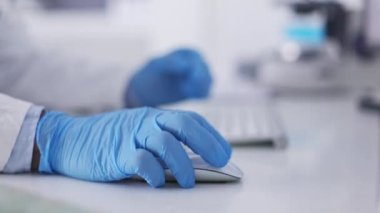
x=180, y=75
x=117, y=145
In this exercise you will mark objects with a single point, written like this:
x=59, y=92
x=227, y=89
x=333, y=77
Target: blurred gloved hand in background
x=117, y=145
x=180, y=75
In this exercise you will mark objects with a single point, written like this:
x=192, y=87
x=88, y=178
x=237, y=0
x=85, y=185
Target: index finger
x=226, y=146
x=195, y=136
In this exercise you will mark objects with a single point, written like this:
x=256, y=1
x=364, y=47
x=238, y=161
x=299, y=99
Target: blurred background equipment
x=74, y=4
x=312, y=26
x=315, y=38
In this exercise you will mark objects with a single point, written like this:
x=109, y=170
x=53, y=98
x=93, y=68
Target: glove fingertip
x=157, y=181
x=220, y=159
x=225, y=146
x=188, y=185
x=186, y=179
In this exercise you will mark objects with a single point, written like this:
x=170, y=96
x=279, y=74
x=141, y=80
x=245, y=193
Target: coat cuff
x=22, y=152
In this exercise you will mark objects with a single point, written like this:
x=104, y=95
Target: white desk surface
x=331, y=165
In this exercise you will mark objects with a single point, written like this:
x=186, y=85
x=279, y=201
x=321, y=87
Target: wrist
x=36, y=152
x=35, y=158
x=47, y=136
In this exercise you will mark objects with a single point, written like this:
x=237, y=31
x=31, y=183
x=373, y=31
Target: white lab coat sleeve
x=12, y=114
x=53, y=80
x=21, y=157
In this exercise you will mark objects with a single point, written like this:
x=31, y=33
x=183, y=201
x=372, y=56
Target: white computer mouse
x=206, y=173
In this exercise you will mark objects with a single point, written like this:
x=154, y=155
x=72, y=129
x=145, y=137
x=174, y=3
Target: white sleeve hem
x=22, y=152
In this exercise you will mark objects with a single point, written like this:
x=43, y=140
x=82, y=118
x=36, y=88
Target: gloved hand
x=177, y=76
x=117, y=145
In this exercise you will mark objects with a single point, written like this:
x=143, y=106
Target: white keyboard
x=241, y=122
